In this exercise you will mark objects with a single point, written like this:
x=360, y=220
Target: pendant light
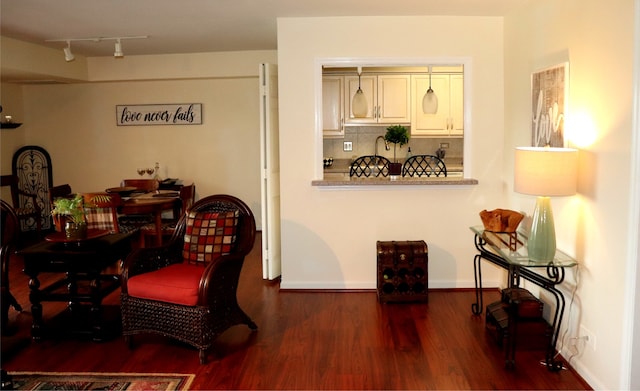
x=359, y=102
x=430, y=100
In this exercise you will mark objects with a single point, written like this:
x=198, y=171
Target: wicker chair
x=424, y=165
x=207, y=279
x=25, y=204
x=10, y=233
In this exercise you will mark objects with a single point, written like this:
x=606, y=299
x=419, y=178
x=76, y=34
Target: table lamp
x=544, y=172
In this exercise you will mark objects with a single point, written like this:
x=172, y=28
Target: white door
x=270, y=171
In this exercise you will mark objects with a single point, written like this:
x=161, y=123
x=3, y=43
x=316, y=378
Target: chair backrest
x=32, y=165
x=60, y=191
x=187, y=197
x=370, y=166
x=424, y=165
x=11, y=181
x=141, y=184
x=102, y=210
x=245, y=229
x=10, y=234
x=8, y=223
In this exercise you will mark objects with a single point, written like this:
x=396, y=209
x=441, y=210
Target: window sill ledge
x=350, y=182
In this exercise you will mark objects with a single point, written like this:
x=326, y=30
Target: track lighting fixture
x=68, y=56
x=118, y=52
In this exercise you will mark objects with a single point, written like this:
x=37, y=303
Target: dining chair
x=369, y=166
x=131, y=223
x=141, y=184
x=101, y=210
x=31, y=164
x=10, y=233
x=186, y=288
x=424, y=165
x=60, y=191
x=187, y=196
x=25, y=204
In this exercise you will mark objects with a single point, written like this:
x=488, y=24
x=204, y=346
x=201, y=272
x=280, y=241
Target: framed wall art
x=159, y=114
x=549, y=93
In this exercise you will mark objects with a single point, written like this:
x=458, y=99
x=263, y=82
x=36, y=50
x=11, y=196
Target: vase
x=395, y=169
x=75, y=231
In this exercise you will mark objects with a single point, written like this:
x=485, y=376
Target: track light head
x=118, y=51
x=68, y=56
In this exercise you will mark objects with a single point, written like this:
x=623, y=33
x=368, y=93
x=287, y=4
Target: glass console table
x=509, y=251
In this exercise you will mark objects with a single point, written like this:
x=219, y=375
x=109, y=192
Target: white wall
x=597, y=39
x=329, y=235
x=76, y=124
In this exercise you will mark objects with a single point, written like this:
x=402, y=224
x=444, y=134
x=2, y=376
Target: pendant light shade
x=430, y=100
x=359, y=102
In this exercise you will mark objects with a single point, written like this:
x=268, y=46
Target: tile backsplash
x=364, y=138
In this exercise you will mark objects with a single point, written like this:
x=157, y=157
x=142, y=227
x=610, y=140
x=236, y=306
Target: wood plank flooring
x=306, y=340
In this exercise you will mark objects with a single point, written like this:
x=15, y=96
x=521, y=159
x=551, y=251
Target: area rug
x=100, y=381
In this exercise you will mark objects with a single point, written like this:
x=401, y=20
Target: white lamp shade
x=359, y=105
x=549, y=172
x=430, y=102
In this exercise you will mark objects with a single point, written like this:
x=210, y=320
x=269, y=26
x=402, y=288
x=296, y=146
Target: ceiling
x=192, y=26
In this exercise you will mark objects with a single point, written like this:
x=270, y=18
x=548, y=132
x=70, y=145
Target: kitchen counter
x=338, y=175
x=345, y=180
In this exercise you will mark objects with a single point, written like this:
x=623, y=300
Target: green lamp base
x=541, y=245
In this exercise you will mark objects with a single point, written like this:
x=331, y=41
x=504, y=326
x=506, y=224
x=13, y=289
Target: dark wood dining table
x=81, y=263
x=154, y=203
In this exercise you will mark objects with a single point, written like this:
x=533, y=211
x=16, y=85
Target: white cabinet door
x=448, y=120
x=332, y=106
x=457, y=105
x=388, y=98
x=394, y=97
x=430, y=124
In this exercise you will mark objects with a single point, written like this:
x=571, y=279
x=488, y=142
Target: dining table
x=83, y=264
x=152, y=203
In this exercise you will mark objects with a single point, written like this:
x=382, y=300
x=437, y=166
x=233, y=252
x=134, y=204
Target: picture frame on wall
x=549, y=94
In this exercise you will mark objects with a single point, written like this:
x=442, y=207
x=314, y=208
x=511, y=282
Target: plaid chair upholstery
x=101, y=211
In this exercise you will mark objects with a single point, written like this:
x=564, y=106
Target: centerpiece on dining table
x=69, y=214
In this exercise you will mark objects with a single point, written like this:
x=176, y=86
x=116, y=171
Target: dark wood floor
x=306, y=340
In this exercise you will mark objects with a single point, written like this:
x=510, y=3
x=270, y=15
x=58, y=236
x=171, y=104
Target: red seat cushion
x=177, y=283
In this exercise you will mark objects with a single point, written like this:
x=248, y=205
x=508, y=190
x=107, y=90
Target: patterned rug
x=100, y=381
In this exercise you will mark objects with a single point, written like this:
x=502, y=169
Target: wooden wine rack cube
x=403, y=271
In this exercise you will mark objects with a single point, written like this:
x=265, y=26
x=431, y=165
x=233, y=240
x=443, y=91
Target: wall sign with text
x=160, y=114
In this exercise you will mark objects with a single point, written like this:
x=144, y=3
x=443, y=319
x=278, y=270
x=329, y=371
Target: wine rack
x=402, y=271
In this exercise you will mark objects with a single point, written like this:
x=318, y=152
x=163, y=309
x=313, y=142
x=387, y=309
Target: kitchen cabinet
x=388, y=99
x=333, y=106
x=449, y=120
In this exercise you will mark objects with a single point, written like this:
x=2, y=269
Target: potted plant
x=70, y=216
x=68, y=213
x=396, y=134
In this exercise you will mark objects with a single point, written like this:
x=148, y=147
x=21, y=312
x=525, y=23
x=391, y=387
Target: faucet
x=386, y=145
